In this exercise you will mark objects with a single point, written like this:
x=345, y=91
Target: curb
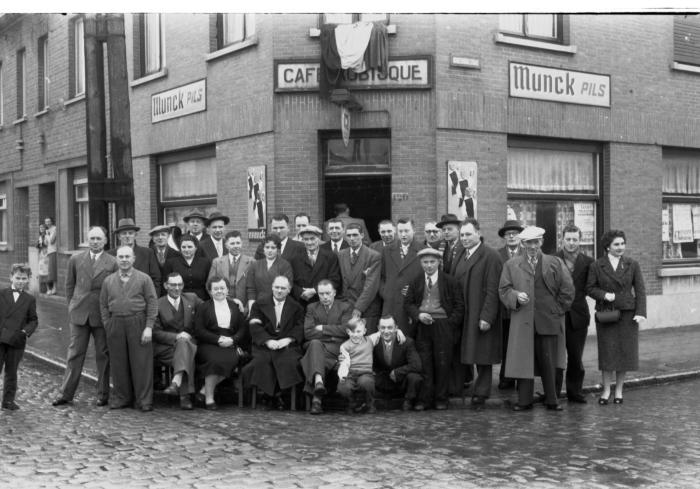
x=55, y=363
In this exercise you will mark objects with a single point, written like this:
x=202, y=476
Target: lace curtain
x=544, y=170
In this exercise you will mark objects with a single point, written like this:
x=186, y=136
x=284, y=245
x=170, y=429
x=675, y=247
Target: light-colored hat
x=310, y=229
x=531, y=232
x=126, y=224
x=159, y=229
x=429, y=252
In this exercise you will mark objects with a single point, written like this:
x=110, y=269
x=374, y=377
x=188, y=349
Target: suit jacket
x=626, y=282
x=209, y=249
x=404, y=359
x=579, y=313
x=146, y=262
x=194, y=275
x=165, y=329
x=206, y=326
x=450, y=299
x=505, y=254
x=334, y=322
x=169, y=253
x=259, y=279
x=222, y=267
x=15, y=317
x=377, y=246
x=83, y=284
x=361, y=281
x=263, y=321
x=328, y=245
x=447, y=259
x=291, y=248
x=308, y=276
x=397, y=273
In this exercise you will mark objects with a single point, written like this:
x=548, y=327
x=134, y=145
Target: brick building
x=549, y=119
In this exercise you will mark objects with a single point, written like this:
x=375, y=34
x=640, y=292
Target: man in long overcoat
x=538, y=290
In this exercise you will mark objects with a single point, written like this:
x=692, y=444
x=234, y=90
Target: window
x=361, y=155
x=3, y=213
x=187, y=181
x=233, y=28
x=686, y=39
x=21, y=88
x=680, y=209
x=544, y=27
x=77, y=57
x=352, y=18
x=82, y=206
x=2, y=97
x=148, y=50
x=553, y=185
x=43, y=73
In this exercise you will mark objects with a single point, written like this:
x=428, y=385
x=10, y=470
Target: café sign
x=556, y=85
x=401, y=73
x=179, y=101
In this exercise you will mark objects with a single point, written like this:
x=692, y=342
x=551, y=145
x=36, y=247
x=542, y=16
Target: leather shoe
x=603, y=401
x=186, y=403
x=199, y=399
x=211, y=406
x=578, y=398
x=146, y=408
x=59, y=401
x=617, y=400
x=279, y=403
x=316, y=407
x=406, y=406
x=419, y=407
x=319, y=389
x=554, y=407
x=518, y=407
x=172, y=390
x=440, y=406
x=100, y=402
x=10, y=406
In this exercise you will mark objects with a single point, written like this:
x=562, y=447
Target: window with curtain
x=81, y=206
x=361, y=155
x=2, y=96
x=680, y=210
x=78, y=58
x=21, y=83
x=544, y=27
x=152, y=48
x=187, y=185
x=552, y=188
x=235, y=28
x=3, y=213
x=43, y=73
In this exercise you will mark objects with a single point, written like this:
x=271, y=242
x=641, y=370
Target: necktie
x=430, y=283
x=92, y=259
x=161, y=256
x=353, y=257
x=533, y=263
x=234, y=272
x=15, y=294
x=403, y=253
x=278, y=314
x=467, y=254
x=387, y=353
x=335, y=247
x=512, y=253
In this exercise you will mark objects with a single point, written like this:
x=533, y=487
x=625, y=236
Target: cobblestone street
x=651, y=440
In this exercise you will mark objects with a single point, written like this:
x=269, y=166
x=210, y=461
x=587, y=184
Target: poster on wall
x=682, y=224
x=461, y=188
x=257, y=202
x=584, y=218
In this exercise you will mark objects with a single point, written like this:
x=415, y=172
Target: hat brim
x=127, y=228
x=502, y=231
x=445, y=223
x=194, y=216
x=218, y=218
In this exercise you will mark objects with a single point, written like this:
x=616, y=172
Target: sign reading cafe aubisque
x=557, y=85
x=179, y=101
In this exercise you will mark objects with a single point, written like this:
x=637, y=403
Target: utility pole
x=104, y=189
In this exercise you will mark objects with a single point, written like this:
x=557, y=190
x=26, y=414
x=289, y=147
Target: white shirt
x=278, y=310
x=174, y=302
x=15, y=294
x=233, y=259
x=614, y=261
x=283, y=244
x=218, y=244
x=269, y=262
x=223, y=314
x=433, y=278
x=405, y=249
x=471, y=251
x=337, y=245
x=95, y=256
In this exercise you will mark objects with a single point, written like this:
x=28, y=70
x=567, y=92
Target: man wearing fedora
x=160, y=235
x=538, y=290
x=312, y=266
x=452, y=249
x=212, y=244
x=145, y=259
x=196, y=223
x=509, y=232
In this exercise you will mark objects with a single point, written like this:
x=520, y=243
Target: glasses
x=432, y=231
x=177, y=286
x=511, y=234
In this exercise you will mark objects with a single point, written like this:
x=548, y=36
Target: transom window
x=546, y=27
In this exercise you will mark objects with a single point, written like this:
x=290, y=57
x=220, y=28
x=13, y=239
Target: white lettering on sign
x=179, y=101
x=401, y=73
x=573, y=87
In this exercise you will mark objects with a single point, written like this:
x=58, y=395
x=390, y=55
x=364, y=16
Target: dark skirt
x=215, y=360
x=618, y=344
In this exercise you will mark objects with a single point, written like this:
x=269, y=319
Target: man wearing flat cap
x=145, y=259
x=160, y=235
x=509, y=232
x=212, y=243
x=538, y=290
x=453, y=249
x=434, y=302
x=312, y=266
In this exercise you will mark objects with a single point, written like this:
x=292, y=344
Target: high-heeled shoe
x=617, y=400
x=603, y=401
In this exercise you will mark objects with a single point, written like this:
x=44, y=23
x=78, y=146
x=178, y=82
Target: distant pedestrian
x=615, y=282
x=17, y=323
x=43, y=260
x=50, y=243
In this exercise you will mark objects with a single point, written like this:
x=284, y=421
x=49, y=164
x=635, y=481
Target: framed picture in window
x=257, y=202
x=462, y=188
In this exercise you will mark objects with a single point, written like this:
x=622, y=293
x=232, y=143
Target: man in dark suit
x=400, y=267
x=277, y=331
x=397, y=366
x=312, y=266
x=577, y=318
x=434, y=303
x=212, y=244
x=173, y=342
x=452, y=249
x=196, y=226
x=145, y=258
x=324, y=332
x=160, y=235
x=84, y=276
x=360, y=270
x=387, y=233
x=279, y=226
x=18, y=321
x=433, y=235
x=234, y=266
x=336, y=234
x=509, y=232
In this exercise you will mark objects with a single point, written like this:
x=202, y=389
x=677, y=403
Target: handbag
x=607, y=315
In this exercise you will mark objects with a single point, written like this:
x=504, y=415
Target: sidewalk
x=664, y=354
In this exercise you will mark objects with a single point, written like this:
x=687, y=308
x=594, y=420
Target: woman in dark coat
x=616, y=281
x=193, y=269
x=263, y=271
x=221, y=333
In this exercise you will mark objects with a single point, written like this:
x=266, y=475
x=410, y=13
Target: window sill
x=684, y=67
x=232, y=48
x=391, y=29
x=74, y=100
x=682, y=271
x=531, y=43
x=41, y=112
x=4, y=247
x=19, y=121
x=149, y=78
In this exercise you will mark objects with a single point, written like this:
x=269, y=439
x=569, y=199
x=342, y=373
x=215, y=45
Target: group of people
x=408, y=319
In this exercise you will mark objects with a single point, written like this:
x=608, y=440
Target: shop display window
x=680, y=210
